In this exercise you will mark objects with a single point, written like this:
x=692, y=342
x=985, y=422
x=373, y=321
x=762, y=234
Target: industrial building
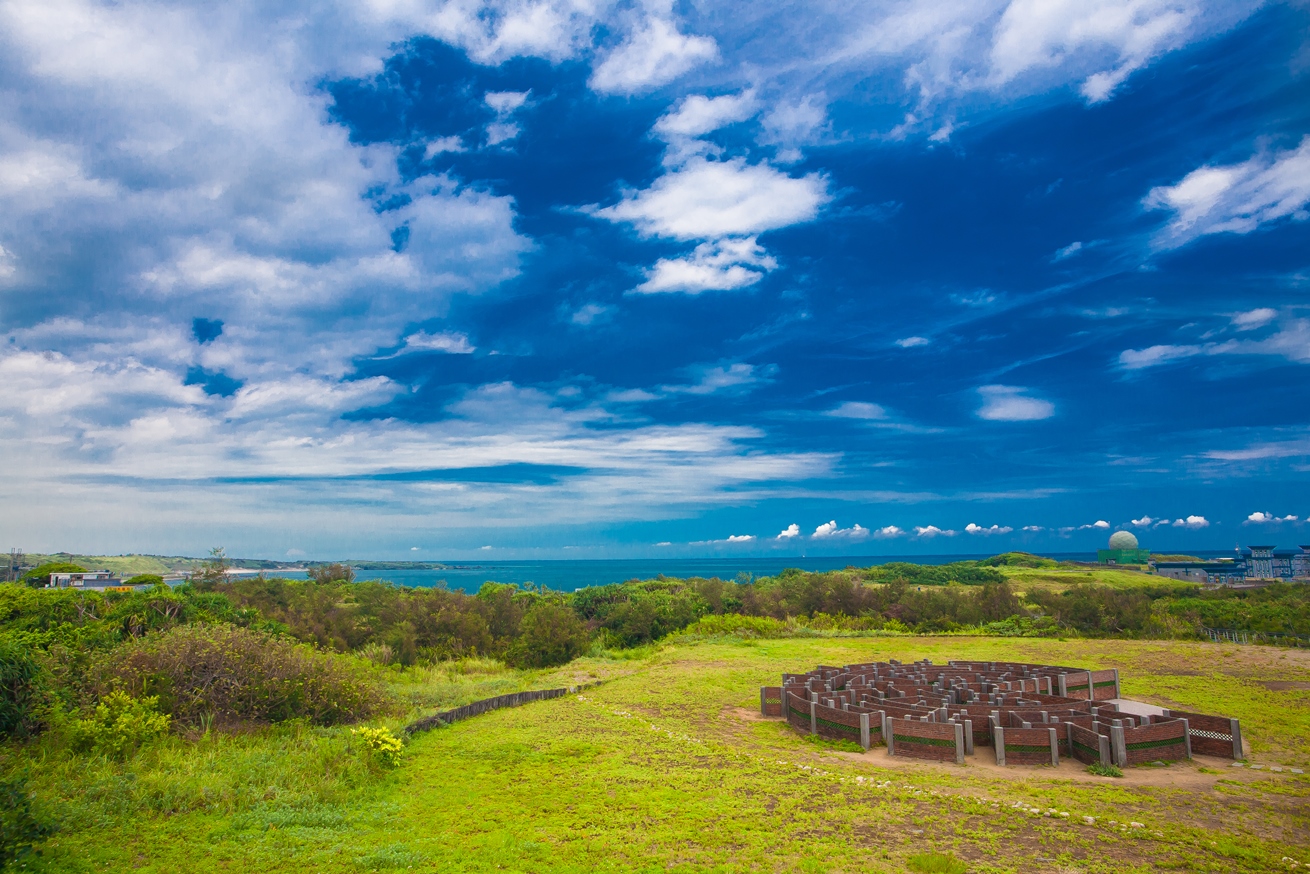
x=1255, y=564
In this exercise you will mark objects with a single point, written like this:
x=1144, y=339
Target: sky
x=578, y=279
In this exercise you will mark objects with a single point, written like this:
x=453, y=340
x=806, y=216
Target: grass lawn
x=1027, y=579
x=667, y=767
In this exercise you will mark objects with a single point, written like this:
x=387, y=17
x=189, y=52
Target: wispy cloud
x=1010, y=403
x=1235, y=198
x=971, y=528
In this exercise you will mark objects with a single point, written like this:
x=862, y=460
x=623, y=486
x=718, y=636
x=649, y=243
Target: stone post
x=999, y=734
x=864, y=731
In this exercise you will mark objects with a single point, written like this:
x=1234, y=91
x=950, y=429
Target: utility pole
x=15, y=568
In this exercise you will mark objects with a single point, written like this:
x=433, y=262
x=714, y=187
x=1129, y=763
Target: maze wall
x=1028, y=714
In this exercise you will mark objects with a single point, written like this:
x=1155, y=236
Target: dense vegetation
x=231, y=653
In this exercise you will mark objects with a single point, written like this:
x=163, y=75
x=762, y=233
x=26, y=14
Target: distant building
x=84, y=580
x=1262, y=563
x=1123, y=549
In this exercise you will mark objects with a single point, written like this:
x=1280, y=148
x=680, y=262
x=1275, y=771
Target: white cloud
x=1068, y=251
x=714, y=199
x=829, y=530
x=505, y=102
x=1136, y=359
x=1252, y=319
x=654, y=54
x=1144, y=522
x=912, y=342
x=453, y=342
x=722, y=265
x=887, y=532
x=632, y=396
x=719, y=377
x=1037, y=34
x=1033, y=528
x=1098, y=525
x=791, y=531
x=1260, y=518
x=859, y=410
x=794, y=123
x=1290, y=341
x=698, y=115
x=1008, y=403
x=1193, y=522
x=930, y=531
x=971, y=528
x=589, y=314
x=740, y=538
x=1235, y=198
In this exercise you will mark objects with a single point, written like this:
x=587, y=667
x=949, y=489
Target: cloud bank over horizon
x=322, y=277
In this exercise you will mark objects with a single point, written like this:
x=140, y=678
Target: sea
x=568, y=575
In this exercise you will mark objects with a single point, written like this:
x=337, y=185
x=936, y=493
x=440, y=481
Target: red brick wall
x=923, y=740
x=1155, y=743
x=1027, y=746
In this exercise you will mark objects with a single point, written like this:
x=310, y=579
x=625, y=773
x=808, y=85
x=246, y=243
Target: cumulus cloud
x=740, y=538
x=654, y=54
x=888, y=532
x=971, y=528
x=713, y=199
x=1033, y=528
x=1193, y=522
x=1261, y=518
x=697, y=115
x=830, y=530
x=859, y=410
x=1009, y=403
x=722, y=265
x=1235, y=198
x=1144, y=522
x=1099, y=525
x=931, y=531
x=791, y=531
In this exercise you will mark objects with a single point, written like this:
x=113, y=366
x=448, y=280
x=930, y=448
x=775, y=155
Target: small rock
x=1297, y=771
x=1238, y=765
x=1277, y=769
x=1257, y=767
x=1090, y=820
x=1136, y=825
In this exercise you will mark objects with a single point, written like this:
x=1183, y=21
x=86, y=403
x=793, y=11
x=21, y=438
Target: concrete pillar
x=999, y=734
x=763, y=711
x=1055, y=747
x=1104, y=745
x=968, y=737
x=814, y=718
x=1117, y=746
x=1064, y=691
x=1187, y=738
x=888, y=734
x=1235, y=728
x=959, y=744
x=864, y=731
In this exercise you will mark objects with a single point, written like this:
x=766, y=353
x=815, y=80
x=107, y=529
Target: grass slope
x=666, y=767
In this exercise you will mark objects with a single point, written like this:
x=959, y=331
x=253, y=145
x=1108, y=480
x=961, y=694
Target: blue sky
x=577, y=279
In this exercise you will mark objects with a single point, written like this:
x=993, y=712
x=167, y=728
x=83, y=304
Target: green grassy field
x=667, y=767
x=1026, y=579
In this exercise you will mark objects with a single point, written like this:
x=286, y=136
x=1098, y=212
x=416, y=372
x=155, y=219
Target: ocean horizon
x=567, y=575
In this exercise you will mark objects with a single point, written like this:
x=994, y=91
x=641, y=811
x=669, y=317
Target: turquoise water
x=566, y=576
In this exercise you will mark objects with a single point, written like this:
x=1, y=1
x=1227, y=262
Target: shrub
x=384, y=746
x=227, y=676
x=144, y=580
x=935, y=863
x=119, y=726
x=22, y=689
x=19, y=828
x=40, y=575
x=549, y=635
x=1104, y=770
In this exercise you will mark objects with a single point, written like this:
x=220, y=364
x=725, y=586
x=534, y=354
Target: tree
x=213, y=571
x=331, y=573
x=550, y=634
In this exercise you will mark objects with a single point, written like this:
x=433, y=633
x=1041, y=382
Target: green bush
x=225, y=676
x=22, y=689
x=119, y=726
x=40, y=575
x=144, y=580
x=381, y=744
x=20, y=829
x=935, y=863
x=549, y=634
x=1104, y=770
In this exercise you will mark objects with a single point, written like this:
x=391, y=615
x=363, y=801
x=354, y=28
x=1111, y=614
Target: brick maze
x=1027, y=714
